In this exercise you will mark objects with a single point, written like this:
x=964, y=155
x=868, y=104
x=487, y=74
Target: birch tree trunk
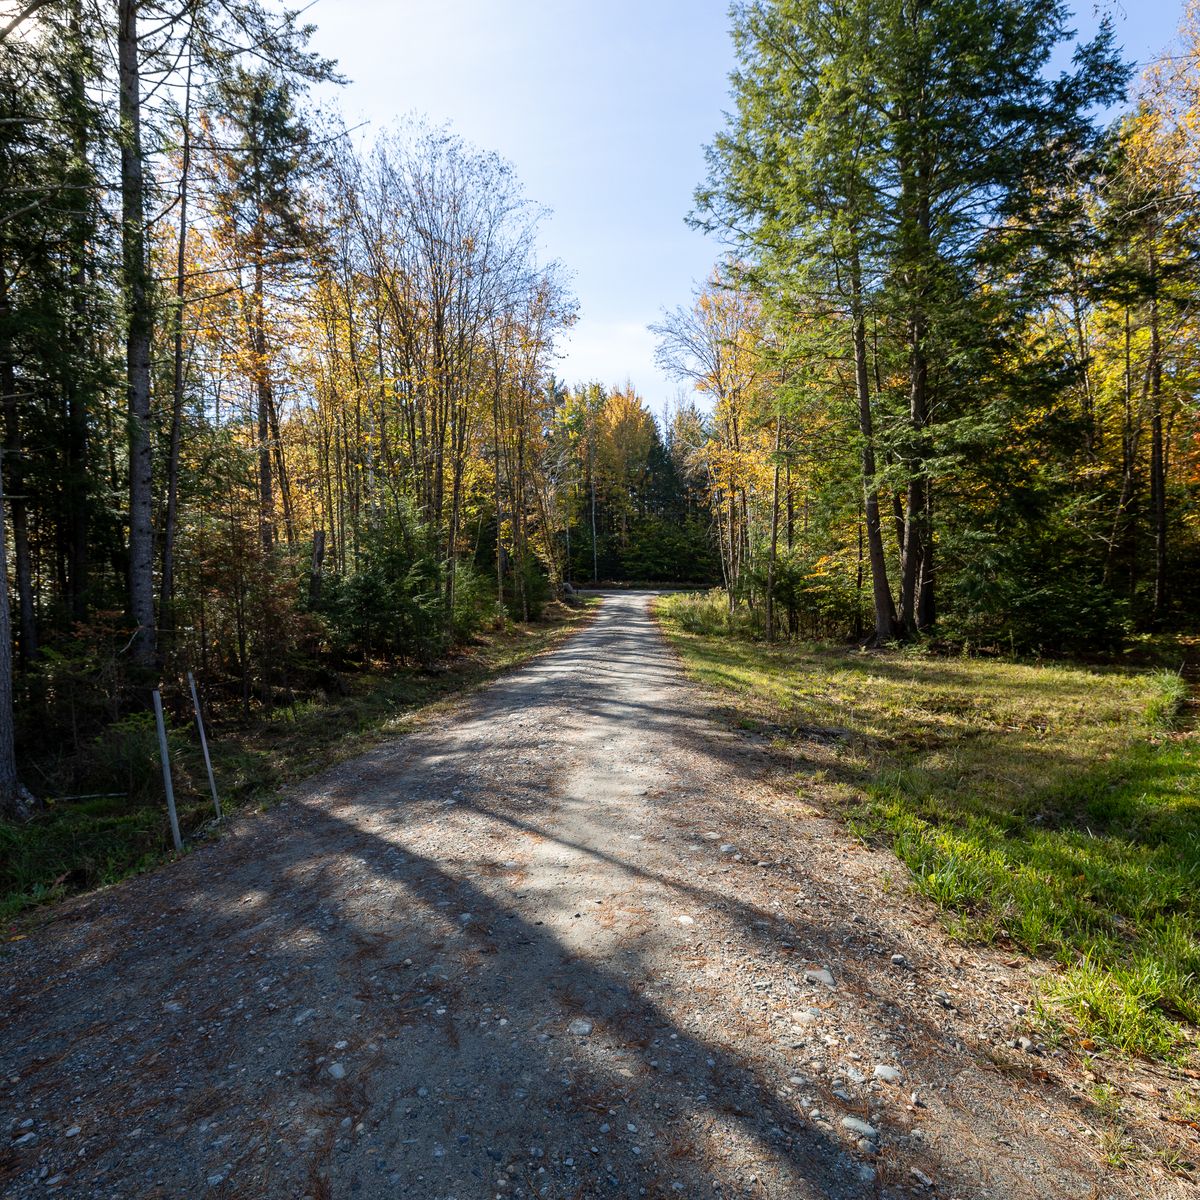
x=137, y=338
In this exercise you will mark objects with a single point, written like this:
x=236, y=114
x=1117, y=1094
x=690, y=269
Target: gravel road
x=573, y=938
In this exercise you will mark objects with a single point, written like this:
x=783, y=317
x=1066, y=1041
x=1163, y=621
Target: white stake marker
x=212, y=783
x=166, y=770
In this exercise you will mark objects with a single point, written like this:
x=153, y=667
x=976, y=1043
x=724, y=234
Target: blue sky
x=604, y=108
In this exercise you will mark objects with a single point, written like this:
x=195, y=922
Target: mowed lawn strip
x=81, y=844
x=1052, y=806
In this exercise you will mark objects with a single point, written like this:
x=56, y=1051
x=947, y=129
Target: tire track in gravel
x=554, y=943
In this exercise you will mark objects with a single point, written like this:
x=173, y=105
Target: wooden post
x=166, y=770
x=212, y=783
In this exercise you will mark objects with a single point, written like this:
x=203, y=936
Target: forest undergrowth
x=119, y=826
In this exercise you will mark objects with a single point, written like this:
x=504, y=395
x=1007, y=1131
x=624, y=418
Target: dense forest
x=280, y=398
x=278, y=401
x=956, y=328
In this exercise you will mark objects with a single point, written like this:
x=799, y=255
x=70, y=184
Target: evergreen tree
x=261, y=171
x=875, y=149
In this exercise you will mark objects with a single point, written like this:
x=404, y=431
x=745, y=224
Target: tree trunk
x=1130, y=436
x=266, y=493
x=885, y=611
x=285, y=488
x=12, y=446
x=858, y=581
x=519, y=507
x=497, y=494
x=166, y=607
x=916, y=531
x=770, y=614
x=1158, y=474
x=792, y=614
x=898, y=521
x=917, y=274
x=137, y=339
x=457, y=444
x=314, y=575
x=77, y=484
x=592, y=481
x=16, y=804
x=926, y=610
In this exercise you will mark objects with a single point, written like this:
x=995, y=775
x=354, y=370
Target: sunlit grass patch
x=1044, y=805
x=1117, y=1005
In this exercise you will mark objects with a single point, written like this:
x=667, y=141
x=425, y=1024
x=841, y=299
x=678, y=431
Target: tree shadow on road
x=354, y=996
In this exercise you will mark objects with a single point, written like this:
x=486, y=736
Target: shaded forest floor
x=79, y=844
x=1053, y=809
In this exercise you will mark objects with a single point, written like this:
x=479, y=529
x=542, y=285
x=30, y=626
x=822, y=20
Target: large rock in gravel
x=860, y=1127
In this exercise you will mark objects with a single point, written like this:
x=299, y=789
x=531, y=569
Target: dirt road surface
x=574, y=938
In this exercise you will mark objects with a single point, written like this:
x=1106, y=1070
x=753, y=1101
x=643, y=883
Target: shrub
x=124, y=759
x=708, y=614
x=820, y=589
x=535, y=586
x=473, y=601
x=1037, y=595
x=393, y=602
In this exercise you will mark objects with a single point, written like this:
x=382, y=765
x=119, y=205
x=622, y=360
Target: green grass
x=1051, y=807
x=78, y=844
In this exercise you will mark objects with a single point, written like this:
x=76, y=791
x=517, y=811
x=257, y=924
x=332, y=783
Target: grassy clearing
x=1052, y=807
x=80, y=844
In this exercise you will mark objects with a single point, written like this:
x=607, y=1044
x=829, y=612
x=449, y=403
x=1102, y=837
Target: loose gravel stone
x=860, y=1127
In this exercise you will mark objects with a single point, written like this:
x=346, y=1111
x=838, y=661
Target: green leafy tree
x=879, y=156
